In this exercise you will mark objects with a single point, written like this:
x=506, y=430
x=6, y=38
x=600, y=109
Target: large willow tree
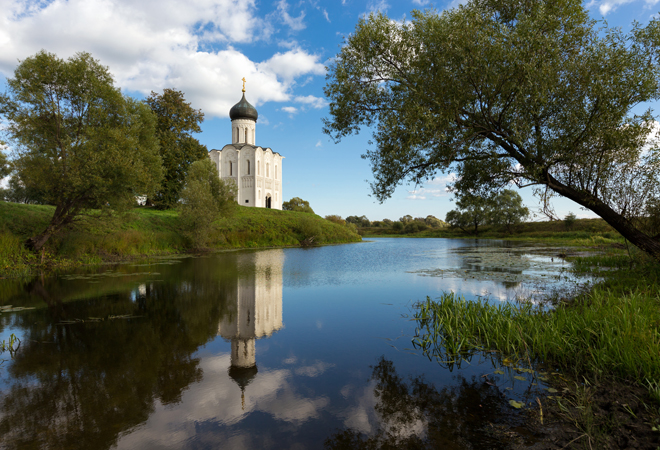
x=76, y=140
x=530, y=92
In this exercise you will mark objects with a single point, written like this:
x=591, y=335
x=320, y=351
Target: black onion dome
x=243, y=110
x=243, y=375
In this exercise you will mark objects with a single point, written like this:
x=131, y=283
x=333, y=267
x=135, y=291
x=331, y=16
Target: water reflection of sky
x=295, y=338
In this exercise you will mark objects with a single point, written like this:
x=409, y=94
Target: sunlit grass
x=147, y=232
x=614, y=330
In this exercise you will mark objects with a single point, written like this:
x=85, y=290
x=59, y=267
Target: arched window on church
x=246, y=135
x=259, y=194
x=248, y=167
x=257, y=167
x=276, y=171
x=267, y=167
x=231, y=169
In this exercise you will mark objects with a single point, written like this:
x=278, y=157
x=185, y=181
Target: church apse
x=257, y=311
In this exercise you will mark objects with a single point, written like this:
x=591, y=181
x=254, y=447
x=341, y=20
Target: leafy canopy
x=297, y=204
x=176, y=121
x=529, y=92
x=204, y=198
x=75, y=139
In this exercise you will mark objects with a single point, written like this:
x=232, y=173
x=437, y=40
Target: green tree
x=18, y=192
x=360, y=221
x=297, y=204
x=203, y=199
x=569, y=220
x=334, y=218
x=176, y=120
x=508, y=209
x=473, y=211
x=76, y=139
x=533, y=93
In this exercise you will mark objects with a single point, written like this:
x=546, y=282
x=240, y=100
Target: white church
x=256, y=171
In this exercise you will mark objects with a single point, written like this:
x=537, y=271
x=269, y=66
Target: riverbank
x=582, y=232
x=149, y=232
x=603, y=346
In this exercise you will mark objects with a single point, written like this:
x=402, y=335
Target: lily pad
x=520, y=378
x=516, y=404
x=552, y=390
x=498, y=372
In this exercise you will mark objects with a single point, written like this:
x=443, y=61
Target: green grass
x=600, y=334
x=147, y=232
x=605, y=343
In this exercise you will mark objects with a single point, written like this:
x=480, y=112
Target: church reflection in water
x=257, y=305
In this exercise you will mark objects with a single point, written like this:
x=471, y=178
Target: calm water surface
x=283, y=348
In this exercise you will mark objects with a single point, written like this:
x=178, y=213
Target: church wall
x=238, y=131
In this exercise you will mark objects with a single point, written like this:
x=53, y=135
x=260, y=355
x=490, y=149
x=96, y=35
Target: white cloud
x=424, y=193
x=152, y=45
x=319, y=144
x=421, y=2
x=292, y=64
x=325, y=14
x=607, y=6
x=378, y=5
x=314, y=102
x=290, y=109
x=295, y=23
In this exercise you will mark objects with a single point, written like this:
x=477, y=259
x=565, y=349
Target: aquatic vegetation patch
x=504, y=264
x=602, y=334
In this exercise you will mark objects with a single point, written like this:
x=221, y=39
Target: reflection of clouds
x=363, y=417
x=314, y=370
x=217, y=399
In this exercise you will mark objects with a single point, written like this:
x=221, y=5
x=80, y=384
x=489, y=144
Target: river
x=279, y=348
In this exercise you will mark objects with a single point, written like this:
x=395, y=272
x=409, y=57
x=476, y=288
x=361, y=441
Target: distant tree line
x=406, y=224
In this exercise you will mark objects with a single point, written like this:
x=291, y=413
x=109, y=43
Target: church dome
x=243, y=110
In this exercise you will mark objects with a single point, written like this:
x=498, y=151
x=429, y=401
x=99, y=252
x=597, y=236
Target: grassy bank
x=605, y=343
x=146, y=231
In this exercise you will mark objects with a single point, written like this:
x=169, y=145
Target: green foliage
x=297, y=204
x=76, y=140
x=508, y=209
x=481, y=90
x=334, y=218
x=505, y=208
x=601, y=334
x=176, y=121
x=361, y=221
x=473, y=211
x=203, y=198
x=16, y=192
x=148, y=231
x=569, y=220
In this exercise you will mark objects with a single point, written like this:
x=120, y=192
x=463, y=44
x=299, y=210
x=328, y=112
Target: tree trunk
x=641, y=240
x=63, y=215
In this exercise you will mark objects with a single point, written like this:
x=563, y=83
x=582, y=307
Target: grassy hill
x=146, y=231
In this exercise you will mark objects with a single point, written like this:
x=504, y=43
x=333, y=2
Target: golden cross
x=243, y=84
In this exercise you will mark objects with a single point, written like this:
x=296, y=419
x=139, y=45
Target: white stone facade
x=256, y=171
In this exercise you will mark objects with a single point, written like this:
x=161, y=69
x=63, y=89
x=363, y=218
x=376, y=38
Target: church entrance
x=268, y=199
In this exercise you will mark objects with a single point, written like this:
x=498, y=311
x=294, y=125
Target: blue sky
x=205, y=47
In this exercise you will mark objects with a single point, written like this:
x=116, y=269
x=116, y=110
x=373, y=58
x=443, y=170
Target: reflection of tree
x=79, y=385
x=415, y=415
